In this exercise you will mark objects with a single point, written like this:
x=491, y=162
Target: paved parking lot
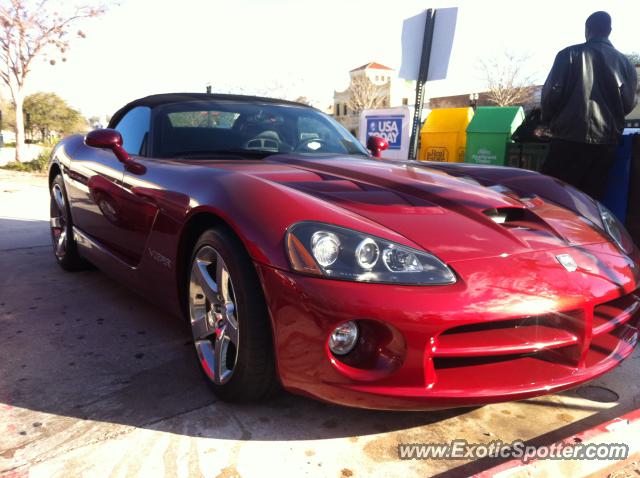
x=96, y=382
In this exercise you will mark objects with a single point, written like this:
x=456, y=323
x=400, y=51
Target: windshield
x=201, y=128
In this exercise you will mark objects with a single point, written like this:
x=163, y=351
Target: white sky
x=290, y=48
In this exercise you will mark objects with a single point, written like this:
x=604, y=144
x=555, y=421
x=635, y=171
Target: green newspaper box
x=489, y=133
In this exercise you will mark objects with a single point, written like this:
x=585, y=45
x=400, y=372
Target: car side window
x=134, y=128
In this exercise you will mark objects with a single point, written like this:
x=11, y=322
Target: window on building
x=337, y=109
x=344, y=109
x=405, y=101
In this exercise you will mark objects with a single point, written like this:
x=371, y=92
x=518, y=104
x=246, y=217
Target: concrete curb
x=624, y=429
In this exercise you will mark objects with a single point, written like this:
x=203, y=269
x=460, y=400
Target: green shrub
x=38, y=165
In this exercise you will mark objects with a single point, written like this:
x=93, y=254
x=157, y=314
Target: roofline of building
x=372, y=65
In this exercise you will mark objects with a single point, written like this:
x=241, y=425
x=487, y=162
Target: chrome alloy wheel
x=212, y=311
x=58, y=221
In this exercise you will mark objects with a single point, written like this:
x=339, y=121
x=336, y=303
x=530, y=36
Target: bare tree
x=507, y=81
x=289, y=88
x=30, y=29
x=634, y=58
x=365, y=95
x=304, y=100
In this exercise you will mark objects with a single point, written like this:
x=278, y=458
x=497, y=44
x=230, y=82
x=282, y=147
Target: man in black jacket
x=589, y=91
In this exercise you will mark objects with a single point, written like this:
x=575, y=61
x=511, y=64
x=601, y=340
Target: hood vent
x=520, y=218
x=505, y=215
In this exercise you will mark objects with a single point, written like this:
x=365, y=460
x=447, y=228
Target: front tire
x=229, y=319
x=65, y=248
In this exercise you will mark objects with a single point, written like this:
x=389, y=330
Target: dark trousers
x=585, y=166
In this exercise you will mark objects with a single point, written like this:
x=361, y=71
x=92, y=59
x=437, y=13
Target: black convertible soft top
x=166, y=98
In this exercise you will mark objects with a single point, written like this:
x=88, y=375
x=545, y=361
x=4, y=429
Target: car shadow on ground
x=80, y=345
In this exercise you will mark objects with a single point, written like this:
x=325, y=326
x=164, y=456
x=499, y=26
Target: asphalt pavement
x=95, y=382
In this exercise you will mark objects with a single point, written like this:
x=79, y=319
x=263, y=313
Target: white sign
x=441, y=45
x=392, y=124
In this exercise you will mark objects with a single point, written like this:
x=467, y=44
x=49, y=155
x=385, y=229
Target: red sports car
x=300, y=259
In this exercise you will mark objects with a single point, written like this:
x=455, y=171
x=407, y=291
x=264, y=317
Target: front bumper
x=511, y=327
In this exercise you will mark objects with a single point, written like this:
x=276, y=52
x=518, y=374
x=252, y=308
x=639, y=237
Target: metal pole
x=427, y=40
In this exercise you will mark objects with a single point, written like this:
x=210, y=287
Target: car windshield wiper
x=240, y=152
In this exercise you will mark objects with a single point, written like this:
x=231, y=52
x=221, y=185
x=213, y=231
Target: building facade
x=384, y=90
x=634, y=117
x=482, y=99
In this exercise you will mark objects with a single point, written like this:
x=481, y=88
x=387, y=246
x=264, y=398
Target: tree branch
x=27, y=31
x=505, y=81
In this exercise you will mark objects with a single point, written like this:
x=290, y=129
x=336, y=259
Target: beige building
x=390, y=91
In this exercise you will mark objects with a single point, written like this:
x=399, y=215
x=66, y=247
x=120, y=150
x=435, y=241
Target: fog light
x=344, y=338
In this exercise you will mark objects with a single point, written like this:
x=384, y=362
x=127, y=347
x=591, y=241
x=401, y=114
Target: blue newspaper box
x=616, y=196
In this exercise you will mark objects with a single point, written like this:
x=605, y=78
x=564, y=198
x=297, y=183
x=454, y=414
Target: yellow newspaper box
x=444, y=135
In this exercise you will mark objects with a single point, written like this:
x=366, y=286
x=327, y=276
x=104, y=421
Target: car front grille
x=537, y=349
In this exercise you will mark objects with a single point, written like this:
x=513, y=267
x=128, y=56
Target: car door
x=140, y=195
x=100, y=204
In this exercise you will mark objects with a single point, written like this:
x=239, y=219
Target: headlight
x=340, y=253
x=615, y=229
x=325, y=247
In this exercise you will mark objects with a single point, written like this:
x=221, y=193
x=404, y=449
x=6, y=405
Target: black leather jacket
x=589, y=91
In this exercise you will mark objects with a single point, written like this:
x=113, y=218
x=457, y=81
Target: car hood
x=454, y=218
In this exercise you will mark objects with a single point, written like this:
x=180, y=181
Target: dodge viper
x=301, y=259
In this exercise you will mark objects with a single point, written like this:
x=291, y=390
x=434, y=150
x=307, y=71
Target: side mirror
x=376, y=145
x=107, y=139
